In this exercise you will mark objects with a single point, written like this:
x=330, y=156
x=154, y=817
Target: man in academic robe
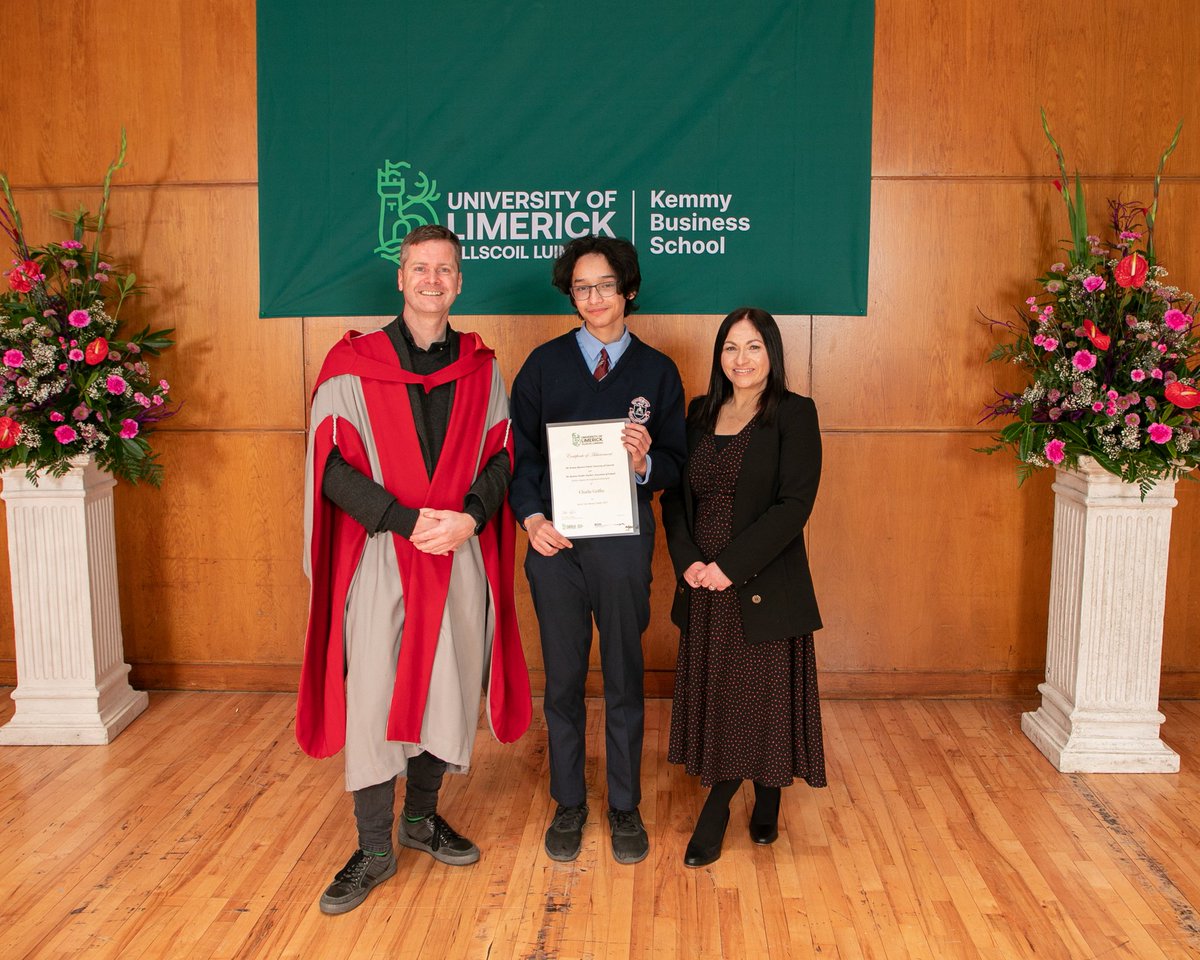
x=409, y=549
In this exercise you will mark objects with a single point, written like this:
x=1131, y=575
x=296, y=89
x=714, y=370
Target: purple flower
x=1083, y=360
x=1160, y=432
x=1093, y=283
x=115, y=384
x=78, y=318
x=13, y=358
x=1055, y=451
x=65, y=434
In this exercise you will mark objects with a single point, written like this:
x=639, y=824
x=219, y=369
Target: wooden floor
x=204, y=832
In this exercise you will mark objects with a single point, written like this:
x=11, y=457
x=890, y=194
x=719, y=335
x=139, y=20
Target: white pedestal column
x=1108, y=584
x=72, y=679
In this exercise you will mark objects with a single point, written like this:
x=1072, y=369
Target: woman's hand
x=709, y=576
x=691, y=573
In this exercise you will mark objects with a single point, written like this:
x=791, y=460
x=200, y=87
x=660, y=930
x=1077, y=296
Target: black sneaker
x=362, y=873
x=438, y=839
x=565, y=836
x=629, y=841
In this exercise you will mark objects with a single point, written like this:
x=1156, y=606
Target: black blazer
x=765, y=558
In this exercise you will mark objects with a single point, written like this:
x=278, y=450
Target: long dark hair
x=719, y=387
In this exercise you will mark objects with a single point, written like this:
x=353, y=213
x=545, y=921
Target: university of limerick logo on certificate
x=406, y=200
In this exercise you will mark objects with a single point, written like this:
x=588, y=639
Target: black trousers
x=606, y=579
x=375, y=806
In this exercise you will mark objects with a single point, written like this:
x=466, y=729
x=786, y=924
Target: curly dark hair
x=621, y=255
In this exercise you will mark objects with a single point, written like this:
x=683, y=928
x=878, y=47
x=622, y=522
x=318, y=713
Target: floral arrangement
x=70, y=383
x=1111, y=353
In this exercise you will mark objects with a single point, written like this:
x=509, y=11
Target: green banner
x=731, y=144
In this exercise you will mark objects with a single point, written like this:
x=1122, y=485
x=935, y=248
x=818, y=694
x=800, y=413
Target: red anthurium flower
x=1131, y=272
x=10, y=433
x=95, y=351
x=1180, y=394
x=1101, y=341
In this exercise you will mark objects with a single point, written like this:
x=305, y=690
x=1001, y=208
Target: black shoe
x=438, y=839
x=565, y=835
x=629, y=841
x=764, y=832
x=697, y=855
x=764, y=821
x=361, y=874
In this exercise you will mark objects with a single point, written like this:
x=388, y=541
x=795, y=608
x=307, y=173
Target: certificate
x=592, y=491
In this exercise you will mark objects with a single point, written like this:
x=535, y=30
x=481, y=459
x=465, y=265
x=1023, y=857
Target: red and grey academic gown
x=399, y=642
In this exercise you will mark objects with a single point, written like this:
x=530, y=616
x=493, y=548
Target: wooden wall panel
x=210, y=565
x=958, y=86
x=931, y=565
x=196, y=250
x=916, y=360
x=178, y=76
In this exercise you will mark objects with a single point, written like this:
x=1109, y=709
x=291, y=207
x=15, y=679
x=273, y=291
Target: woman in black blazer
x=745, y=704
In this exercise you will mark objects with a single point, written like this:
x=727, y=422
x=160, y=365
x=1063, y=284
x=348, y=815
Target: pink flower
x=157, y=400
x=65, y=434
x=1160, y=432
x=75, y=355
x=1039, y=339
x=1058, y=267
x=57, y=417
x=80, y=412
x=1132, y=419
x=13, y=358
x=1083, y=360
x=70, y=264
x=115, y=384
x=164, y=386
x=1175, y=319
x=1050, y=344
x=71, y=245
x=129, y=429
x=1055, y=451
x=78, y=318
x=1156, y=373
x=1093, y=283
x=1137, y=375
x=100, y=277
x=141, y=399
x=103, y=266
x=1097, y=406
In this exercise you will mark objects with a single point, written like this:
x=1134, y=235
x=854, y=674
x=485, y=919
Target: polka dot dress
x=741, y=711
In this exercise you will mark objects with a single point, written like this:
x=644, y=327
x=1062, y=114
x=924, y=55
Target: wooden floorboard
x=203, y=832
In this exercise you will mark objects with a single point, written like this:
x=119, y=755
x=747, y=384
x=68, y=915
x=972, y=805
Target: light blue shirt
x=590, y=347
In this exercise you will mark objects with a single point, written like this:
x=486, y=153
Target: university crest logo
x=405, y=203
x=639, y=410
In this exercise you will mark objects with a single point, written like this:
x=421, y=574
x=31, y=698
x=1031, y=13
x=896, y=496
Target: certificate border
x=633, y=497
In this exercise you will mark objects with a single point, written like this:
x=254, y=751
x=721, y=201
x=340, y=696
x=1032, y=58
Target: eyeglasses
x=583, y=291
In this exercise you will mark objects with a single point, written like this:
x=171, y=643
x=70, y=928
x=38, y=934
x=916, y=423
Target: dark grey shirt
x=370, y=503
